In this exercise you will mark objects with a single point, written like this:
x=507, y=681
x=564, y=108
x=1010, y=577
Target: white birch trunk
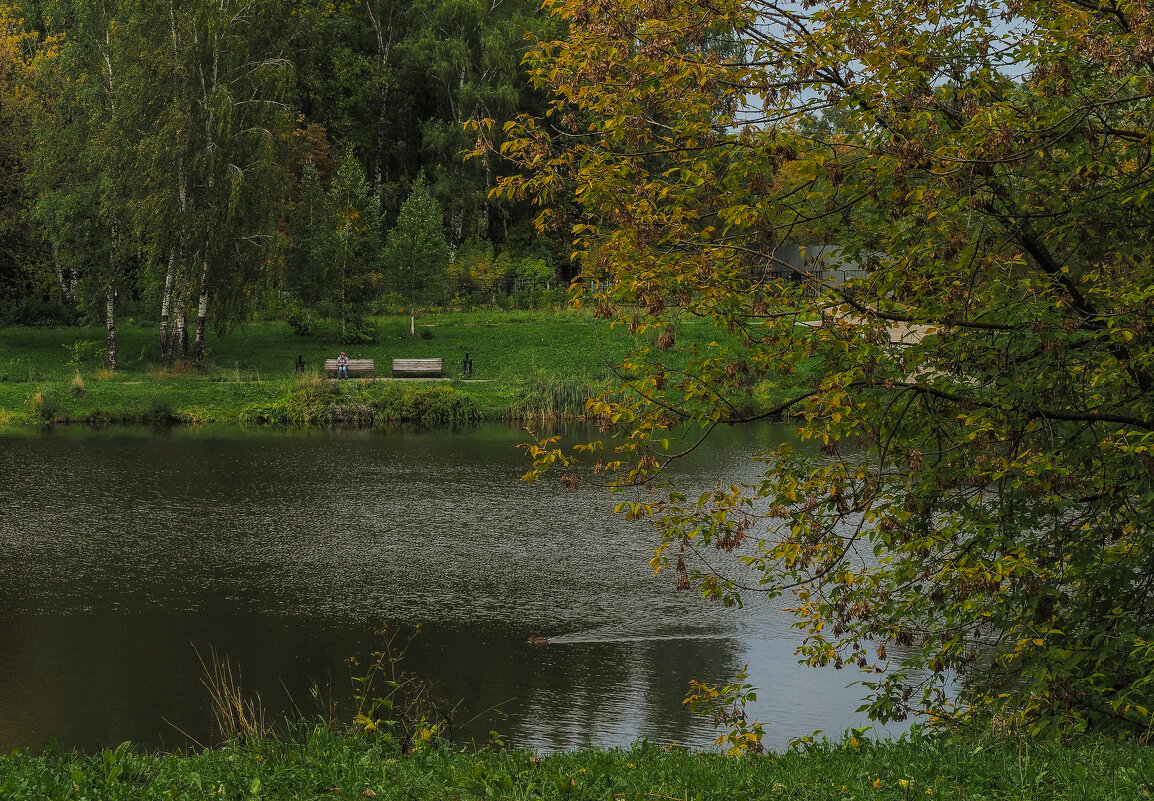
x=456, y=232
x=180, y=336
x=65, y=278
x=166, y=309
x=201, y=313
x=110, y=324
x=384, y=48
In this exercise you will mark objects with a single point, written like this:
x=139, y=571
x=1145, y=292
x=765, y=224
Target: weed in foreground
x=235, y=717
x=725, y=705
x=396, y=706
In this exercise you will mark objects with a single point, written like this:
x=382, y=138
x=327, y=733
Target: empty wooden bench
x=356, y=367
x=417, y=368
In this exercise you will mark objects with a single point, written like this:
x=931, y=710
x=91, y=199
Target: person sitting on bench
x=342, y=366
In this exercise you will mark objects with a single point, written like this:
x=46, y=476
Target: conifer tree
x=417, y=251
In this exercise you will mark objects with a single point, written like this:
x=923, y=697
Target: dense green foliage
x=323, y=765
x=204, y=163
x=984, y=387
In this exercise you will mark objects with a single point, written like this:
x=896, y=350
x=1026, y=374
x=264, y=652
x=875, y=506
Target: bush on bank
x=323, y=765
x=364, y=404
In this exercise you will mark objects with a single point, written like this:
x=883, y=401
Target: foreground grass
x=526, y=366
x=328, y=766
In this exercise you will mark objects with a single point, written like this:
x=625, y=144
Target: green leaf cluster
x=974, y=529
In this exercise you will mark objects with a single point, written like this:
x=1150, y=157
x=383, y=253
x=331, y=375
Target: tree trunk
x=110, y=298
x=180, y=336
x=201, y=314
x=384, y=48
x=456, y=232
x=171, y=301
x=110, y=323
x=166, y=309
x=65, y=278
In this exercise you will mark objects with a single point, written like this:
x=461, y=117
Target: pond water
x=125, y=551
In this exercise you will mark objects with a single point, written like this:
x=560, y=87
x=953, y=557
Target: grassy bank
x=326, y=766
x=524, y=365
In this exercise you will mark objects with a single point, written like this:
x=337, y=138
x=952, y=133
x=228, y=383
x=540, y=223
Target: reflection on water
x=122, y=549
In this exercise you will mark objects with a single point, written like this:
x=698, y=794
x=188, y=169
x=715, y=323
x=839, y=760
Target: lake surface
x=124, y=551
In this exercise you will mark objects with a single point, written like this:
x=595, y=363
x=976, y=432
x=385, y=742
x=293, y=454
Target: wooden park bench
x=356, y=367
x=417, y=368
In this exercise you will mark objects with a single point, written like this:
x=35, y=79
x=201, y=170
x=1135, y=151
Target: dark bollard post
x=300, y=364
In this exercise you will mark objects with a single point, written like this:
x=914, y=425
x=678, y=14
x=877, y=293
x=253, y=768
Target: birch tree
x=212, y=163
x=81, y=158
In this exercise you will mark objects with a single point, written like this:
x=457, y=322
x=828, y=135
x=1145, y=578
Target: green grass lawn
x=322, y=765
x=501, y=344
x=526, y=365
x=57, y=373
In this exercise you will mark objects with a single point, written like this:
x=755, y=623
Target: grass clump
x=305, y=406
x=550, y=398
x=364, y=403
x=437, y=403
x=237, y=717
x=48, y=407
